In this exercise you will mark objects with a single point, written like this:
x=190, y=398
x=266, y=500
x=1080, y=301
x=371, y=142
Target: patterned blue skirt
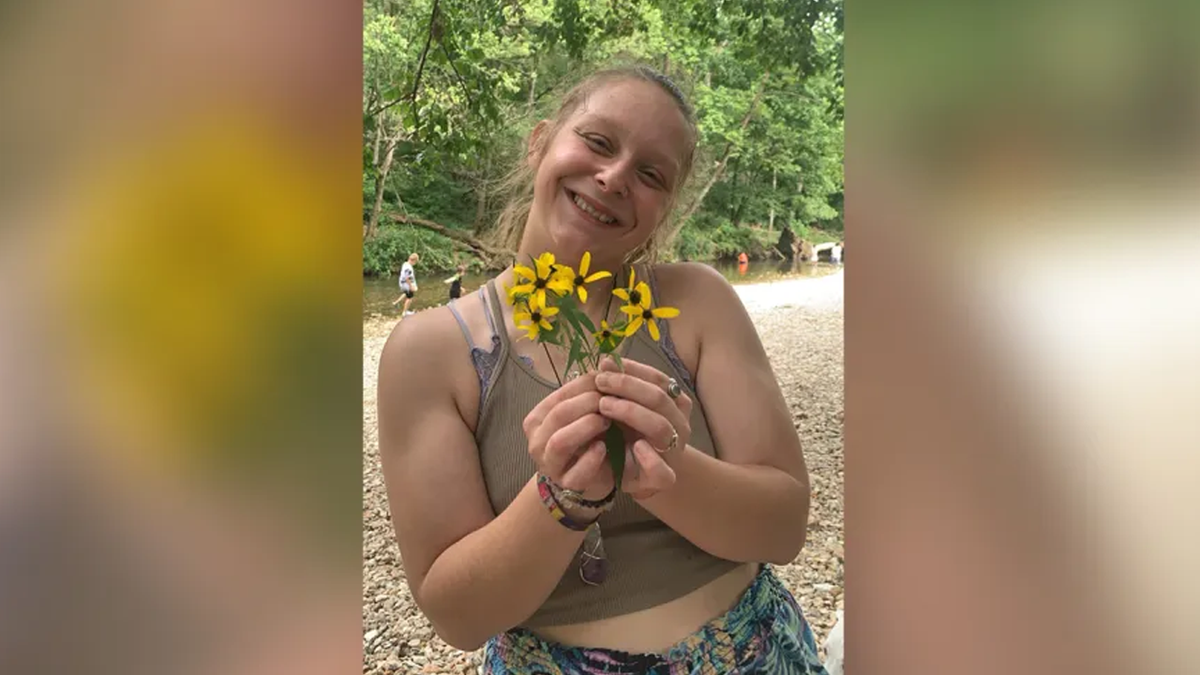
x=764, y=633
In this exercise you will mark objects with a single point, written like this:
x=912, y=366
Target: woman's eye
x=598, y=141
x=653, y=178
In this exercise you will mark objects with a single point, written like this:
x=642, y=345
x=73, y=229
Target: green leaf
x=583, y=318
x=617, y=358
x=573, y=355
x=614, y=444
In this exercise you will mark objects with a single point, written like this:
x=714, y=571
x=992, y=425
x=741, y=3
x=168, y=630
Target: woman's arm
x=473, y=574
x=752, y=503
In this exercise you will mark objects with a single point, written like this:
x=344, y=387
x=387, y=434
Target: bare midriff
x=657, y=629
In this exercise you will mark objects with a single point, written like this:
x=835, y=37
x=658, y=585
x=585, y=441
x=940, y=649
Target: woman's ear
x=533, y=154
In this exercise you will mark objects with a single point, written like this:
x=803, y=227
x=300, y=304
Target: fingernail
x=604, y=379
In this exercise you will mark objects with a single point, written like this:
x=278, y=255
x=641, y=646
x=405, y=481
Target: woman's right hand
x=565, y=433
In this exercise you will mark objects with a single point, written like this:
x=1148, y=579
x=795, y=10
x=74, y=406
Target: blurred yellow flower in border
x=534, y=318
x=534, y=282
x=579, y=279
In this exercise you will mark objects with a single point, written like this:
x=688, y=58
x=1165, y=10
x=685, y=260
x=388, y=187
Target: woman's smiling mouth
x=598, y=214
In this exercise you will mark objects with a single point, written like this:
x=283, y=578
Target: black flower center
x=579, y=280
x=647, y=314
x=635, y=297
x=604, y=335
x=536, y=317
x=540, y=283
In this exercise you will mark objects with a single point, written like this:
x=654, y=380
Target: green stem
x=551, y=360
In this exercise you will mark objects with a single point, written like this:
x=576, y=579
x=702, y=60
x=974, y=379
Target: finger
x=565, y=443
x=646, y=422
x=573, y=388
x=570, y=410
x=656, y=474
x=637, y=369
x=586, y=469
x=651, y=375
x=647, y=394
x=560, y=415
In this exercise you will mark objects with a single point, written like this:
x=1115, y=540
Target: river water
x=378, y=294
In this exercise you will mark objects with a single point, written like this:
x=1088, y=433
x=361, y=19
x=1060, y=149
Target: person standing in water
x=456, y=282
x=408, y=283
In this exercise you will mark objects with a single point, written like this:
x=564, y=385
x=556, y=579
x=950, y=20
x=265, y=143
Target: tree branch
x=489, y=254
x=466, y=92
x=421, y=67
x=687, y=213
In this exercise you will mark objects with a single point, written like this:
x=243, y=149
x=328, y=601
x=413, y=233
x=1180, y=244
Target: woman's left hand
x=639, y=400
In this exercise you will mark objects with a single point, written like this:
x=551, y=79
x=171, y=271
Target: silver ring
x=674, y=441
x=673, y=389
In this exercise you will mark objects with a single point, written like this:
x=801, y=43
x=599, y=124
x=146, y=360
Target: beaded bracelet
x=556, y=509
x=575, y=499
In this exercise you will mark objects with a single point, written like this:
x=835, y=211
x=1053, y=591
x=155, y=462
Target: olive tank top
x=648, y=562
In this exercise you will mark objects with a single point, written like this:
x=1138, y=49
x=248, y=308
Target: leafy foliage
x=454, y=86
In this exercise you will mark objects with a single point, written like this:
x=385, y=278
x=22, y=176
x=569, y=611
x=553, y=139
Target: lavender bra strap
x=667, y=344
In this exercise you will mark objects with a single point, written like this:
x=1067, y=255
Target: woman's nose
x=612, y=179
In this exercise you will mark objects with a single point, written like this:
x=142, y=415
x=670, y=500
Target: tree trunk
x=532, y=87
x=771, y=222
x=378, y=143
x=481, y=195
x=381, y=180
x=691, y=209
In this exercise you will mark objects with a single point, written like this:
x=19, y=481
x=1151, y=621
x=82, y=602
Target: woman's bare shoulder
x=692, y=283
x=424, y=348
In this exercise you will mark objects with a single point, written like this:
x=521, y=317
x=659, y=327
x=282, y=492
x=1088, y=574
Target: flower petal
x=665, y=312
x=653, y=326
x=621, y=293
x=595, y=277
x=632, y=310
x=524, y=271
x=643, y=289
x=582, y=294
x=549, y=311
x=584, y=263
x=634, y=324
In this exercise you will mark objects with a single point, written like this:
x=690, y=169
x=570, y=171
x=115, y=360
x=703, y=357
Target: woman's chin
x=573, y=239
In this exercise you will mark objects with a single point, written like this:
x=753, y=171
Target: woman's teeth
x=593, y=212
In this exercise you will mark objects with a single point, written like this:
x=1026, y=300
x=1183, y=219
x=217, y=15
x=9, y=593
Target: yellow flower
x=534, y=318
x=578, y=280
x=534, y=282
x=637, y=294
x=641, y=308
x=606, y=337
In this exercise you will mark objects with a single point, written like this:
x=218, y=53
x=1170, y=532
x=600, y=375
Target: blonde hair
x=518, y=183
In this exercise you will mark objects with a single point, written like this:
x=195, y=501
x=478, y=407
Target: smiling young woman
x=715, y=487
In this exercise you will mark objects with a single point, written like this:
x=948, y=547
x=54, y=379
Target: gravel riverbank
x=800, y=323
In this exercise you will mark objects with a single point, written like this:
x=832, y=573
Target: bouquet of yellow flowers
x=545, y=307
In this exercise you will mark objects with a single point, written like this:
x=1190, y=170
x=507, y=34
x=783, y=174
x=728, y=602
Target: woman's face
x=607, y=177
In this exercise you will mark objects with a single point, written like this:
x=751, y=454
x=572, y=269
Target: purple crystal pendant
x=593, y=565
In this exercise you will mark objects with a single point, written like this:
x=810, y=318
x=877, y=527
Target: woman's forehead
x=641, y=109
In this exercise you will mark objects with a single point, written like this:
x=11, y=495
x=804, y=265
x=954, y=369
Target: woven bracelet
x=573, y=498
x=556, y=509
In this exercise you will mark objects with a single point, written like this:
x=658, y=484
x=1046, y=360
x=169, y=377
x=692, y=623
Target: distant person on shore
x=835, y=254
x=743, y=263
x=456, y=282
x=408, y=283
